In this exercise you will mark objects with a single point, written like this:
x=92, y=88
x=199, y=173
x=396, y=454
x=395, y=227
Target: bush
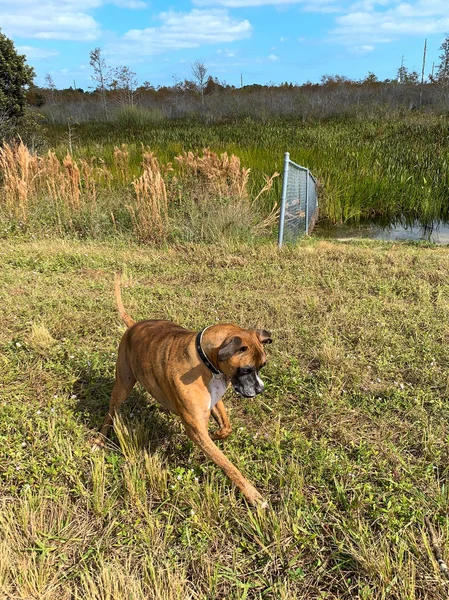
x=25, y=128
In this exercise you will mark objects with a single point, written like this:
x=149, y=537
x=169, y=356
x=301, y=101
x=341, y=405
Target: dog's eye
x=242, y=349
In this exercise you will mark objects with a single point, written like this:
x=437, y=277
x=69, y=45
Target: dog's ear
x=264, y=336
x=229, y=347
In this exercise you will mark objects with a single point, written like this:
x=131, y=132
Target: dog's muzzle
x=247, y=383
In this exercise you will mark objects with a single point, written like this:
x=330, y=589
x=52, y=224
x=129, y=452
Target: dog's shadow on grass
x=153, y=426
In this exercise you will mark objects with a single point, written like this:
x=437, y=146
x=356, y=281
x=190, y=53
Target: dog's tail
x=118, y=298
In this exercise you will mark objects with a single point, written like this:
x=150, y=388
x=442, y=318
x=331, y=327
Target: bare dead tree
x=422, y=73
x=126, y=83
x=50, y=85
x=199, y=72
x=101, y=76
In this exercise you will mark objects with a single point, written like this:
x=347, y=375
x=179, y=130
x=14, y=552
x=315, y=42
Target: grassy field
x=349, y=443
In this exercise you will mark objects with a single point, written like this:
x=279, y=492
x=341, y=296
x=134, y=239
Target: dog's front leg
x=221, y=417
x=196, y=429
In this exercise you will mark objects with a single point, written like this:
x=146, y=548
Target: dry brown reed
x=121, y=162
x=270, y=220
x=72, y=180
x=149, y=159
x=221, y=176
x=28, y=178
x=18, y=170
x=150, y=212
x=89, y=183
x=207, y=186
x=63, y=181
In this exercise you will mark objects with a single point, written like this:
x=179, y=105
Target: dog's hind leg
x=221, y=417
x=124, y=383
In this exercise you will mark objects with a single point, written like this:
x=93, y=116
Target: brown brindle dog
x=188, y=373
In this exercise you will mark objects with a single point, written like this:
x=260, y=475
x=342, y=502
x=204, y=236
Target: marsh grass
x=391, y=169
x=348, y=443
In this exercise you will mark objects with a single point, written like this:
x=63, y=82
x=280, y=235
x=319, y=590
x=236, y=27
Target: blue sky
x=261, y=40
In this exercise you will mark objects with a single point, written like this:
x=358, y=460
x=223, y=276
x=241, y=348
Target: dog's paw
x=254, y=497
x=261, y=503
x=97, y=444
x=221, y=434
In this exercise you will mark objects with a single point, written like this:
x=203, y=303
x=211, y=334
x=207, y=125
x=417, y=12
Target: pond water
x=437, y=232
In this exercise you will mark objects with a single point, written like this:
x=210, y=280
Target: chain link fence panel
x=299, y=202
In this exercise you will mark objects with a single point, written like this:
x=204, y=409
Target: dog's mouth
x=245, y=391
x=245, y=395
x=248, y=384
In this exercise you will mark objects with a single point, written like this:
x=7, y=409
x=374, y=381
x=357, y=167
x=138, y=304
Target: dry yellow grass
x=40, y=338
x=68, y=188
x=222, y=176
x=19, y=169
x=121, y=162
x=150, y=211
x=27, y=178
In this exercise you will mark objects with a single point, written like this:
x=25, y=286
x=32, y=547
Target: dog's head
x=241, y=356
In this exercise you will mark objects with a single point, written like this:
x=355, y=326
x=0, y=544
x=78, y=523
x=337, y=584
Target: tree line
x=117, y=93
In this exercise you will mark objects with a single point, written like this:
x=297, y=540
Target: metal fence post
x=283, y=198
x=307, y=202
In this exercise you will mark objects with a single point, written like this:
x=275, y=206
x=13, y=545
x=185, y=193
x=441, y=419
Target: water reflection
x=435, y=232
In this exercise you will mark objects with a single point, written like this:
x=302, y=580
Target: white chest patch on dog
x=217, y=387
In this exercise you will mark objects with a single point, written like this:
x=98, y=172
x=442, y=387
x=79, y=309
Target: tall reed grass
x=150, y=210
x=68, y=194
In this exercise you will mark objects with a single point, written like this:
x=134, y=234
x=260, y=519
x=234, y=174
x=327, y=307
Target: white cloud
x=317, y=5
x=33, y=53
x=227, y=53
x=56, y=20
x=368, y=4
x=49, y=19
x=369, y=25
x=273, y=57
x=182, y=30
x=363, y=49
x=132, y=4
x=325, y=8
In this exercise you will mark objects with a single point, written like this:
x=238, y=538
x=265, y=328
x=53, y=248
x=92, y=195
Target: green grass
x=388, y=169
x=349, y=443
